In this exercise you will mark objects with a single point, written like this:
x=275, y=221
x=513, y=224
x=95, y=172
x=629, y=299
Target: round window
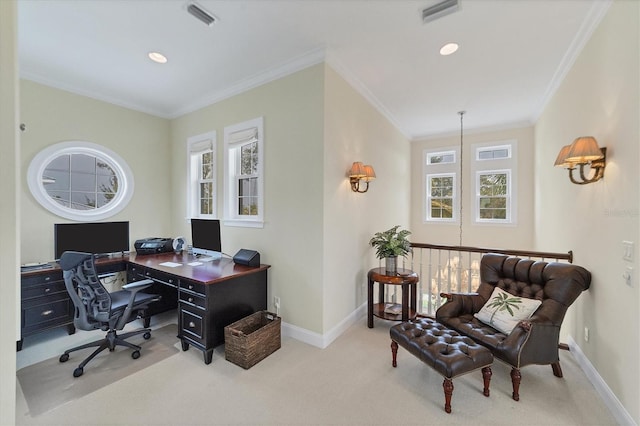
x=80, y=180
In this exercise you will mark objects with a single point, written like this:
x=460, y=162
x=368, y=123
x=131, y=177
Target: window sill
x=244, y=223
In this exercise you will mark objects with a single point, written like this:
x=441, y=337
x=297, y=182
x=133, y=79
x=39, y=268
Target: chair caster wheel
x=78, y=372
x=64, y=358
x=135, y=354
x=147, y=336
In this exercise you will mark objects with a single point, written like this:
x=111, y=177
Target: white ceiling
x=513, y=53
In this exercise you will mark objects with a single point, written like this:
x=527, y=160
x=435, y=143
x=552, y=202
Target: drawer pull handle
x=47, y=290
x=192, y=324
x=191, y=299
x=46, y=313
x=47, y=279
x=190, y=286
x=170, y=281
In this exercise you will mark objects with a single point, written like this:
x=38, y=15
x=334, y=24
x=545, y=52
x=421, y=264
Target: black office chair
x=96, y=308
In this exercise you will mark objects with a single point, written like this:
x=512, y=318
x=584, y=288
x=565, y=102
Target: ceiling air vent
x=201, y=14
x=439, y=10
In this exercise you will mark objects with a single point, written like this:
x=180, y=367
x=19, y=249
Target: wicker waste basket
x=251, y=339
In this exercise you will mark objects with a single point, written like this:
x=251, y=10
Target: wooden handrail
x=541, y=254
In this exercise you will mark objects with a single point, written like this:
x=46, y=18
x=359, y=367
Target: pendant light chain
x=461, y=113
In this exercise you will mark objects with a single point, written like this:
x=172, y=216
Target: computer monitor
x=98, y=238
x=205, y=238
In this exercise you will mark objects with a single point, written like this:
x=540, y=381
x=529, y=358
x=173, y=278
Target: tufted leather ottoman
x=446, y=351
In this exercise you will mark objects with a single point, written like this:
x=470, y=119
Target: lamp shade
x=357, y=170
x=561, y=160
x=370, y=173
x=583, y=150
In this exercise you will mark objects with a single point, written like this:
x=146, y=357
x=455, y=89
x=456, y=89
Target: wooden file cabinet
x=44, y=303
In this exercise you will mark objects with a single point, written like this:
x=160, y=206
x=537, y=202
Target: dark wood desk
x=405, y=278
x=208, y=297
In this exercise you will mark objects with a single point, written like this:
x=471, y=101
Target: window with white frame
x=202, y=194
x=440, y=196
x=440, y=191
x=80, y=180
x=495, y=179
x=244, y=169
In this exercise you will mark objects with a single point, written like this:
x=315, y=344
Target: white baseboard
x=611, y=401
x=323, y=340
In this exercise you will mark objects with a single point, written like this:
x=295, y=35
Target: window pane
x=83, y=182
x=107, y=184
x=105, y=198
x=248, y=187
x=83, y=163
x=59, y=163
x=248, y=206
x=61, y=197
x=83, y=200
x=207, y=166
x=55, y=180
x=104, y=169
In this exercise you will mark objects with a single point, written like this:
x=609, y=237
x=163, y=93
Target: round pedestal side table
x=405, y=278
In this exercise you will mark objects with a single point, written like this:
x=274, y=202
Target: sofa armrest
x=459, y=304
x=532, y=341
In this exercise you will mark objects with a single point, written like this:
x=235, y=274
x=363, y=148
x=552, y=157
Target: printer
x=153, y=245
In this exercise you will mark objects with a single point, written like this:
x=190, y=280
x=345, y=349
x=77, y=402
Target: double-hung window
x=495, y=178
x=440, y=179
x=202, y=194
x=244, y=170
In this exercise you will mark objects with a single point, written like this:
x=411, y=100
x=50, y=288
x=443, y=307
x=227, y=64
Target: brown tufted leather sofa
x=534, y=341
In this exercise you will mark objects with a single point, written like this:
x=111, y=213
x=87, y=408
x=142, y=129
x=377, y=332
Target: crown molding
x=296, y=64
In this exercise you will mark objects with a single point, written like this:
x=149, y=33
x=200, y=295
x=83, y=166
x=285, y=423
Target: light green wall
x=513, y=236
x=142, y=140
x=356, y=131
x=292, y=238
x=9, y=209
x=600, y=96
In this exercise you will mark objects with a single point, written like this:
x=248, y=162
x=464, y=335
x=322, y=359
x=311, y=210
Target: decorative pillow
x=503, y=310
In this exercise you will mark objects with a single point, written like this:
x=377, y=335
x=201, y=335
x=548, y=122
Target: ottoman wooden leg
x=394, y=352
x=515, y=381
x=448, y=391
x=486, y=376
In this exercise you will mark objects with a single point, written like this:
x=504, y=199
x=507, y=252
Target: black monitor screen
x=205, y=234
x=98, y=238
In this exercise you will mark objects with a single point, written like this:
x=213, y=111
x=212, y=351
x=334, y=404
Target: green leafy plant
x=502, y=302
x=391, y=243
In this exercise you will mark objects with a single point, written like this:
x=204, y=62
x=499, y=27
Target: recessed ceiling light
x=157, y=57
x=448, y=49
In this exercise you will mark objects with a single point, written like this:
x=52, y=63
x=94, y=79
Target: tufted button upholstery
x=556, y=285
x=446, y=351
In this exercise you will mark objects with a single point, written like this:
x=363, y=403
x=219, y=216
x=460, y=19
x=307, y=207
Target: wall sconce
x=359, y=172
x=583, y=151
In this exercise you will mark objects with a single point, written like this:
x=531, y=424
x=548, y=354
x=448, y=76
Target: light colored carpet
x=49, y=384
x=351, y=382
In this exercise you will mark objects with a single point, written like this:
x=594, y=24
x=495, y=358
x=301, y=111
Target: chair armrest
x=132, y=288
x=459, y=304
x=137, y=285
x=532, y=341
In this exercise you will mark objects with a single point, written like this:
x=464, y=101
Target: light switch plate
x=627, y=247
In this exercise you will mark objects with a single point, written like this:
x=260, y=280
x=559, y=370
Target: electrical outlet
x=276, y=302
x=586, y=334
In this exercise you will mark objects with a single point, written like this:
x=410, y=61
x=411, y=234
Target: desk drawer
x=36, y=279
x=193, y=299
x=193, y=287
x=192, y=326
x=161, y=277
x=48, y=313
x=43, y=290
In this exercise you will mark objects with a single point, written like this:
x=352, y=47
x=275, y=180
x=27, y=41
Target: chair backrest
x=557, y=285
x=91, y=300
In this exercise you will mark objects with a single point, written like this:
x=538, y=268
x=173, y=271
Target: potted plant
x=389, y=245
